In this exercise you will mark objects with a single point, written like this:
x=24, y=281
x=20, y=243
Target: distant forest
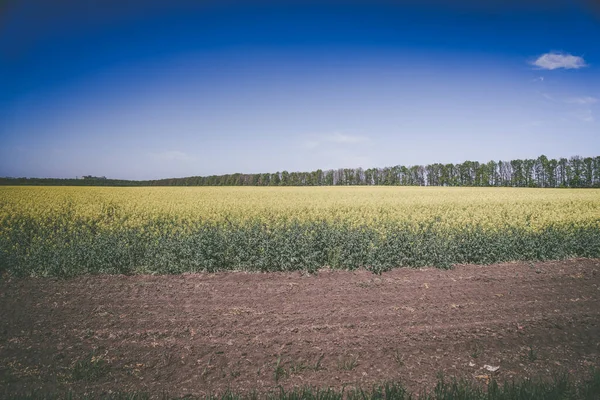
x=575, y=172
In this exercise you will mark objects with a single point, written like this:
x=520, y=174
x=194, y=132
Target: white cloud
x=583, y=115
x=337, y=138
x=311, y=144
x=547, y=96
x=555, y=60
x=343, y=138
x=172, y=155
x=586, y=100
x=533, y=124
x=334, y=158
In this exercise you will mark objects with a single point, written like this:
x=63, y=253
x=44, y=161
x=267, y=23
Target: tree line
x=574, y=172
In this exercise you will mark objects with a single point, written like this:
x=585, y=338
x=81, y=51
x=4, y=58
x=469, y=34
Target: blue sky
x=155, y=89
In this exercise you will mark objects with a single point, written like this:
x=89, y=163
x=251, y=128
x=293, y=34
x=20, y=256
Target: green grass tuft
x=561, y=387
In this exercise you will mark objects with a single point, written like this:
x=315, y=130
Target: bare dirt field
x=201, y=333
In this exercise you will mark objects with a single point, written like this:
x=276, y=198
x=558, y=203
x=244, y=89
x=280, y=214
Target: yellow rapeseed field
x=452, y=206
x=49, y=221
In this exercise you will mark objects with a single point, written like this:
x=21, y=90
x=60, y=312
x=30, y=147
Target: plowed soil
x=201, y=333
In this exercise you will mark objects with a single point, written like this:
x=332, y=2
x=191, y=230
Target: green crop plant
x=68, y=231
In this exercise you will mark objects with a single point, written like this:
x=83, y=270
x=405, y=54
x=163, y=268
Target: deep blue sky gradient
x=154, y=89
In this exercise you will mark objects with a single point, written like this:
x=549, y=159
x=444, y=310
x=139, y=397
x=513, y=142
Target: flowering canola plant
x=65, y=231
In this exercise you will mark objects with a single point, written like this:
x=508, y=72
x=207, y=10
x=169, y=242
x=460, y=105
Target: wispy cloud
x=343, y=138
x=335, y=138
x=547, y=96
x=585, y=100
x=172, y=155
x=583, y=115
x=533, y=124
x=556, y=60
x=311, y=144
